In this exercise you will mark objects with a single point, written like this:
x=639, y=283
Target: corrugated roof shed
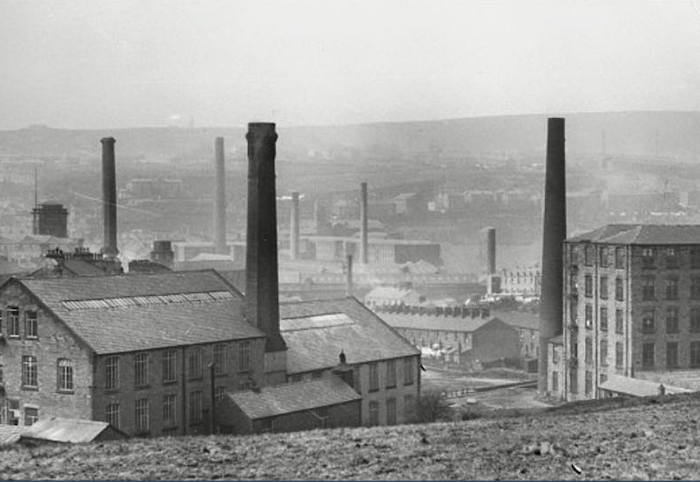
x=316, y=345
x=642, y=234
x=66, y=430
x=435, y=322
x=287, y=398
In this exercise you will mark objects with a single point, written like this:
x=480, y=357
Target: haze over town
x=339, y=208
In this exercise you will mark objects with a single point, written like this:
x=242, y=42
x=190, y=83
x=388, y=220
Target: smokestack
x=262, y=288
x=220, y=198
x=490, y=249
x=364, y=246
x=320, y=216
x=109, y=198
x=348, y=288
x=554, y=234
x=294, y=228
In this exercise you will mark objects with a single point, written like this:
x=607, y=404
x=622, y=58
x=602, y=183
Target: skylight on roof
x=315, y=321
x=129, y=301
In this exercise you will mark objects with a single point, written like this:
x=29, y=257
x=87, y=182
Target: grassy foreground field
x=647, y=439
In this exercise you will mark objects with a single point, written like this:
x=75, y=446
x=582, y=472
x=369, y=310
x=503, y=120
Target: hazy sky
x=223, y=63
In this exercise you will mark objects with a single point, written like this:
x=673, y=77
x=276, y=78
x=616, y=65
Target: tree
x=430, y=406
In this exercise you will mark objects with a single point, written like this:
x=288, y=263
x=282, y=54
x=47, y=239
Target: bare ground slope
x=648, y=439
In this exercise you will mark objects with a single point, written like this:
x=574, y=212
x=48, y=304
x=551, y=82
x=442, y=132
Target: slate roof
x=436, y=322
x=10, y=433
x=146, y=311
x=637, y=387
x=642, y=234
x=67, y=430
x=287, y=398
x=364, y=337
x=519, y=319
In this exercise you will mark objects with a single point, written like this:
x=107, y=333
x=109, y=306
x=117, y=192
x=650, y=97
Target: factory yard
x=648, y=439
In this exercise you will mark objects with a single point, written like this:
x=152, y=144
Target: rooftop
x=276, y=400
x=66, y=430
x=317, y=331
x=641, y=234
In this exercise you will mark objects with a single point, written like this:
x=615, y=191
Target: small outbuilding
x=321, y=403
x=69, y=430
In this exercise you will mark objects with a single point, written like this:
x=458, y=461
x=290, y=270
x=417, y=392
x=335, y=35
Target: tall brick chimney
x=109, y=199
x=554, y=234
x=262, y=285
x=490, y=249
x=364, y=246
x=294, y=228
x=220, y=198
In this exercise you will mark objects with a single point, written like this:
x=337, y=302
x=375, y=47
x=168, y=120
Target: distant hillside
x=636, y=442
x=668, y=134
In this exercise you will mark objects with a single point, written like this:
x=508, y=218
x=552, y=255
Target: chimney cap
x=108, y=139
x=342, y=357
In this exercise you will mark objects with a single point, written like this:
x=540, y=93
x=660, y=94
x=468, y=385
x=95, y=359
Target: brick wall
x=54, y=341
x=156, y=389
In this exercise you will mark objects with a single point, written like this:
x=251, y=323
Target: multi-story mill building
x=631, y=308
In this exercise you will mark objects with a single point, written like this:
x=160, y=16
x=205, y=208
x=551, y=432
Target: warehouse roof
x=438, y=322
x=642, y=234
x=114, y=314
x=317, y=331
x=287, y=398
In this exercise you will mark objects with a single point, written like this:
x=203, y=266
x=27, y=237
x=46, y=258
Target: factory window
x=672, y=354
x=142, y=416
x=573, y=312
x=619, y=258
x=112, y=373
x=619, y=289
x=588, y=255
x=603, y=287
x=13, y=321
x=619, y=355
x=220, y=359
x=648, y=258
x=141, y=369
x=373, y=413
x=31, y=415
x=619, y=321
x=555, y=354
x=555, y=381
x=169, y=366
x=603, y=256
x=391, y=411
x=647, y=355
x=604, y=352
x=695, y=354
x=573, y=254
x=391, y=374
x=672, y=288
x=589, y=316
x=695, y=320
x=648, y=287
x=65, y=375
x=589, y=350
x=31, y=328
x=219, y=393
x=29, y=372
x=695, y=258
x=573, y=282
x=573, y=381
x=373, y=377
x=194, y=363
x=648, y=321
x=603, y=322
x=695, y=288
x=573, y=347
x=589, y=383
x=112, y=414
x=195, y=407
x=588, y=285
x=671, y=258
x=408, y=368
x=244, y=356
x=169, y=410
x=671, y=319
